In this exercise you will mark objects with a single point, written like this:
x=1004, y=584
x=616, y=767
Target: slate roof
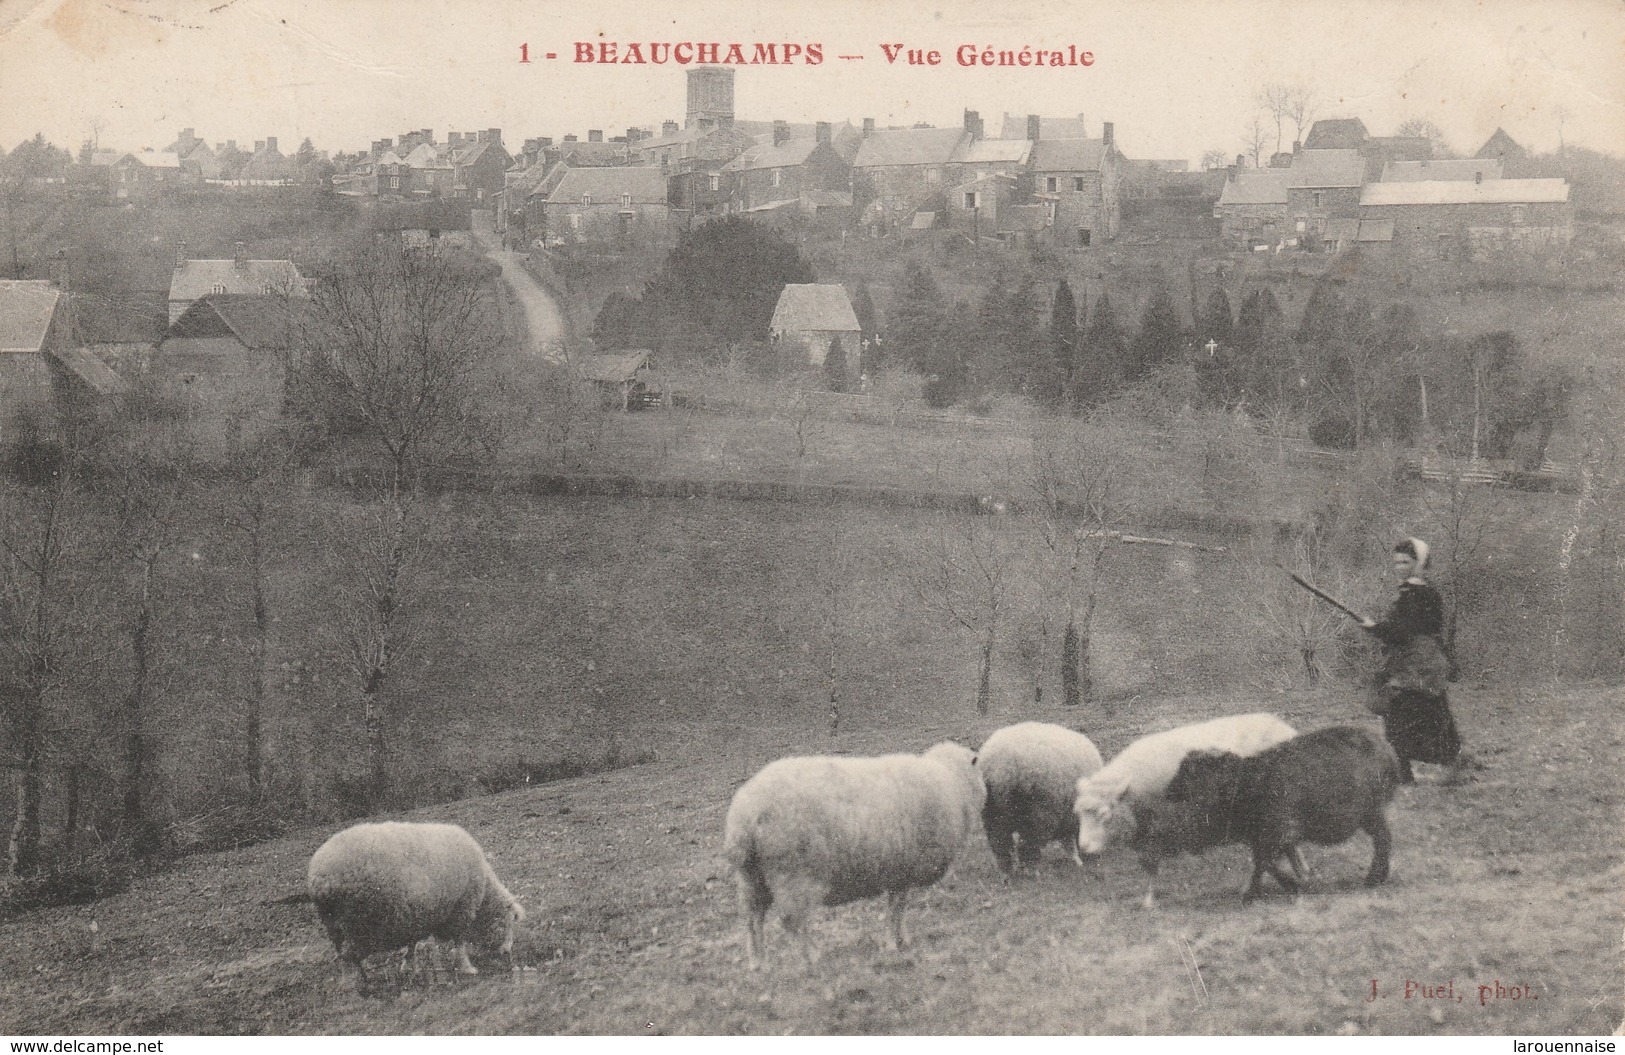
x=615, y=368
x=1014, y=126
x=258, y=322
x=1501, y=145
x=1256, y=187
x=1467, y=192
x=1336, y=133
x=1068, y=155
x=193, y=279
x=994, y=151
x=1449, y=169
x=789, y=154
x=887, y=147
x=156, y=159
x=811, y=306
x=606, y=185
x=26, y=309
x=1326, y=168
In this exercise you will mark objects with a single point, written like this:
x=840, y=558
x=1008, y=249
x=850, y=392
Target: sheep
x=822, y=829
x=1143, y=769
x=1032, y=771
x=1321, y=787
x=381, y=887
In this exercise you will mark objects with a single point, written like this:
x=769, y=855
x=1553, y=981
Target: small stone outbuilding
x=809, y=316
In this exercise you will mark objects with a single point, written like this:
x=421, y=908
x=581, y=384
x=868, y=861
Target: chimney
x=868, y=126
x=972, y=123
x=668, y=128
x=493, y=135
x=1241, y=161
x=571, y=138
x=482, y=136
x=1230, y=171
x=1034, y=127
x=1108, y=142
x=259, y=146
x=781, y=132
x=545, y=143
x=239, y=254
x=188, y=133
x=634, y=134
x=59, y=269
x=180, y=254
x=821, y=132
x=231, y=144
x=595, y=135
x=454, y=139
x=270, y=144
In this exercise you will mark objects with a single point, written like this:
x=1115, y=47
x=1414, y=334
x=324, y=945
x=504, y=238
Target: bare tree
x=1300, y=107
x=1074, y=486
x=1275, y=100
x=394, y=351
x=965, y=580
x=1254, y=140
x=1422, y=128
x=1215, y=159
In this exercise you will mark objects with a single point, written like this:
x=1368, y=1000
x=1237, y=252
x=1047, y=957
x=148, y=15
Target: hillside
x=1513, y=879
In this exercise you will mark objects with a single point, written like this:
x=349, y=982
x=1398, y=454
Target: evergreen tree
x=1263, y=367
x=1216, y=359
x=621, y=323
x=1099, y=373
x=917, y=322
x=947, y=366
x=1063, y=340
x=725, y=279
x=1009, y=343
x=835, y=366
x=863, y=306
x=1161, y=339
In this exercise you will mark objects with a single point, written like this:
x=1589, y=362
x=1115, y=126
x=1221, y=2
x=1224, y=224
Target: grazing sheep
x=1319, y=787
x=380, y=887
x=828, y=830
x=1032, y=771
x=1143, y=769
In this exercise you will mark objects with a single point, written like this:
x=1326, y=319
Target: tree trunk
x=258, y=651
x=984, y=680
x=135, y=746
x=1071, y=694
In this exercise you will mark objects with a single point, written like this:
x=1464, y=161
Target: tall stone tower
x=710, y=97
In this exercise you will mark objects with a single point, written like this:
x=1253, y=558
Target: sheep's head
x=493, y=926
x=1094, y=808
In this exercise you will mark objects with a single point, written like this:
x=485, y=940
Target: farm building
x=809, y=317
x=224, y=365
x=194, y=279
x=627, y=377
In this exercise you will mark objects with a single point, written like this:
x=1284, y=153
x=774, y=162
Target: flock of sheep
x=827, y=830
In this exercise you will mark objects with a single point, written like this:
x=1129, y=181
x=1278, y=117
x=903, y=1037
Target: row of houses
x=189, y=162
x=1039, y=180
x=1343, y=188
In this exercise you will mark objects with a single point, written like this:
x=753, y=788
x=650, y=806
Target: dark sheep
x=1318, y=787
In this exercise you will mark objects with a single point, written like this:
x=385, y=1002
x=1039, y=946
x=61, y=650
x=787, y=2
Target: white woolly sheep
x=381, y=887
x=1320, y=787
x=1144, y=768
x=829, y=830
x=1032, y=771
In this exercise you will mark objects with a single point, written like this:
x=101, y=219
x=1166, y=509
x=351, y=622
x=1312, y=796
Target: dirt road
x=542, y=313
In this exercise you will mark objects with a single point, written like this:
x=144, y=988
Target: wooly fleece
x=1144, y=768
x=828, y=830
x=1032, y=771
x=379, y=887
x=1320, y=787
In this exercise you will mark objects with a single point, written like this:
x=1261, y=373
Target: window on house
x=1052, y=184
x=1083, y=235
x=933, y=175
x=1320, y=198
x=716, y=182
x=1077, y=183
x=479, y=193
x=428, y=177
x=1517, y=214
x=586, y=199
x=973, y=200
x=394, y=183
x=626, y=200
x=218, y=287
x=778, y=177
x=1444, y=247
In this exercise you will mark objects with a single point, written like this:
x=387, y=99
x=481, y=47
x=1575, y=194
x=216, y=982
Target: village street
x=541, y=313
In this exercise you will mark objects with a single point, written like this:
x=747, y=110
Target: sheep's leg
x=1029, y=850
x=999, y=836
x=1382, y=842
x=1299, y=866
x=755, y=898
x=895, y=902
x=1255, y=884
x=1151, y=865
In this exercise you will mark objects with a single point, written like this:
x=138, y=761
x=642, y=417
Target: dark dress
x=1418, y=722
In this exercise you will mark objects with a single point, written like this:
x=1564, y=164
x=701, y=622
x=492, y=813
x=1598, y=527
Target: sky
x=1175, y=77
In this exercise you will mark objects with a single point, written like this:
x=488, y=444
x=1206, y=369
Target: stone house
x=607, y=206
x=1321, y=185
x=784, y=169
x=1466, y=218
x=809, y=317
x=224, y=364
x=901, y=171
x=1083, y=180
x=478, y=165
x=194, y=279
x=981, y=207
x=1252, y=207
x=34, y=327
x=145, y=175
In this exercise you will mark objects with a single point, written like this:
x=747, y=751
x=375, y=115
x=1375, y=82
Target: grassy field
x=1513, y=879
